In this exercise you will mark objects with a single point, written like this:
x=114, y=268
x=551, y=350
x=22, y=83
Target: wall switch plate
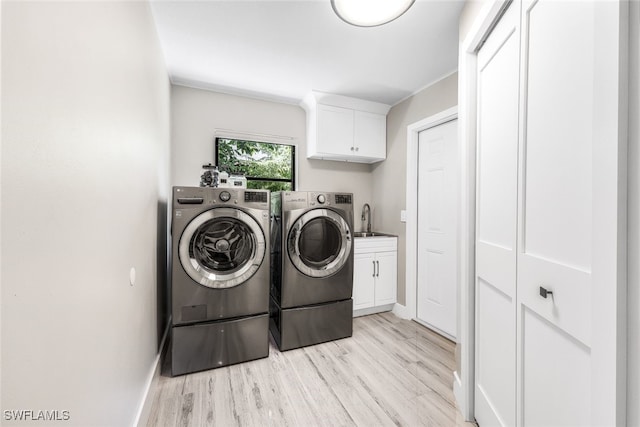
x=403, y=216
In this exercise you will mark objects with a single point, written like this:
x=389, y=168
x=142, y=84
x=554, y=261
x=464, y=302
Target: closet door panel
x=558, y=142
x=556, y=183
x=557, y=374
x=568, y=214
x=496, y=227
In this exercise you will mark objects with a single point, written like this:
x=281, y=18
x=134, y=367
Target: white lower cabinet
x=375, y=274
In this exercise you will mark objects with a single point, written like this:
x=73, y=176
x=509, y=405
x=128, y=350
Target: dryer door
x=319, y=243
x=222, y=247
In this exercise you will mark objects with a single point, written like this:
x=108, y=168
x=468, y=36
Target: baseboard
x=401, y=311
x=372, y=310
x=436, y=330
x=142, y=417
x=457, y=392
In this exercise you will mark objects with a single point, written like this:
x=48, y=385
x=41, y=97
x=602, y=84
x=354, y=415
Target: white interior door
x=437, y=219
x=568, y=213
x=496, y=227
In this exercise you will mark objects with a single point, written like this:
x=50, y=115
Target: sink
x=371, y=234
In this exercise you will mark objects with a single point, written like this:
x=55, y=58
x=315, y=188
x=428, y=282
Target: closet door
x=569, y=214
x=496, y=227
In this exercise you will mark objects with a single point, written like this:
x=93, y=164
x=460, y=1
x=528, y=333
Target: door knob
x=544, y=292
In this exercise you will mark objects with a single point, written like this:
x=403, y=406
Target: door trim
x=413, y=130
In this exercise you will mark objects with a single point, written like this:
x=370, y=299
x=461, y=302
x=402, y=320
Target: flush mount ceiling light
x=370, y=13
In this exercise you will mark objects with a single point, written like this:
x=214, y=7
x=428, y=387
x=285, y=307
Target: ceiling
x=281, y=50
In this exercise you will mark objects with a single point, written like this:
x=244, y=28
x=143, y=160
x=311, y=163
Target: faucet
x=366, y=209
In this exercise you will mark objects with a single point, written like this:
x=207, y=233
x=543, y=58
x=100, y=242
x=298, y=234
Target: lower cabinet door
x=386, y=277
x=364, y=269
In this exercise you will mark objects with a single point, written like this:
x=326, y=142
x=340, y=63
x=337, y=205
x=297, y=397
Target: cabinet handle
x=378, y=264
x=357, y=148
x=544, y=292
x=351, y=148
x=374, y=268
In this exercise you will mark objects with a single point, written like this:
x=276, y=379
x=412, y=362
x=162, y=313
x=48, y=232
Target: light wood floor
x=391, y=372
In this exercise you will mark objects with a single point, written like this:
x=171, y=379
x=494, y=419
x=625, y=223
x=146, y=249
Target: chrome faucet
x=366, y=209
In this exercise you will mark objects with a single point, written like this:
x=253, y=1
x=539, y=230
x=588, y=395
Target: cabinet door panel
x=386, y=277
x=363, y=280
x=370, y=135
x=335, y=130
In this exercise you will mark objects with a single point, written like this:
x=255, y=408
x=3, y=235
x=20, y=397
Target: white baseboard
x=436, y=330
x=401, y=311
x=457, y=391
x=144, y=410
x=372, y=310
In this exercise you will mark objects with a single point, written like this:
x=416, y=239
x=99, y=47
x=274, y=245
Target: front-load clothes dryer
x=312, y=267
x=219, y=277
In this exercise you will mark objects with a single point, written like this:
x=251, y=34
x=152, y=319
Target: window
x=265, y=165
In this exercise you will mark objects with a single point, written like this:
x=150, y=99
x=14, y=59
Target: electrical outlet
x=403, y=216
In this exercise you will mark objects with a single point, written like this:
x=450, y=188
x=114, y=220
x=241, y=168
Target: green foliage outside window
x=265, y=165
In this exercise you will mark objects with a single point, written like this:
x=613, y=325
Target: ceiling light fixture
x=370, y=13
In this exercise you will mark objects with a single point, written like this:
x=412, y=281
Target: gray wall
x=197, y=113
x=85, y=141
x=389, y=177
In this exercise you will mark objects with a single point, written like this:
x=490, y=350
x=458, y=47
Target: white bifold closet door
x=550, y=216
x=496, y=227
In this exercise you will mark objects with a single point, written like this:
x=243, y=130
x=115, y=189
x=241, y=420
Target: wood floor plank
x=391, y=372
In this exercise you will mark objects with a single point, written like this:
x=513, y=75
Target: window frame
x=293, y=179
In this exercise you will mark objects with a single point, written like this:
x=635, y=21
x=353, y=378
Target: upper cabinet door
x=335, y=130
x=370, y=135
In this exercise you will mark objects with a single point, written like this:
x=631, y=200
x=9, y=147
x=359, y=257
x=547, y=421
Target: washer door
x=222, y=247
x=319, y=243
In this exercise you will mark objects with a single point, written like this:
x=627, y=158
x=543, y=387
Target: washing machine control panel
x=256, y=196
x=321, y=198
x=343, y=199
x=225, y=196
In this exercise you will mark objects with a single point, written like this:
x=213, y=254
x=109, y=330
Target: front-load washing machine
x=312, y=267
x=219, y=277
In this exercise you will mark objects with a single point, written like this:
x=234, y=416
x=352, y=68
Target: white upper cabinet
x=370, y=135
x=335, y=130
x=343, y=128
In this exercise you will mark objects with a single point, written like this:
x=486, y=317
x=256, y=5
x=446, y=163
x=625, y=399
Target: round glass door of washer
x=222, y=248
x=319, y=243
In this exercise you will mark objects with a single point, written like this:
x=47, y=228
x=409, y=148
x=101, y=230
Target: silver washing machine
x=312, y=267
x=219, y=277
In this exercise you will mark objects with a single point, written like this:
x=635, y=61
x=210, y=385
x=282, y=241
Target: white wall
x=197, y=113
x=633, y=309
x=1, y=207
x=389, y=177
x=85, y=140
